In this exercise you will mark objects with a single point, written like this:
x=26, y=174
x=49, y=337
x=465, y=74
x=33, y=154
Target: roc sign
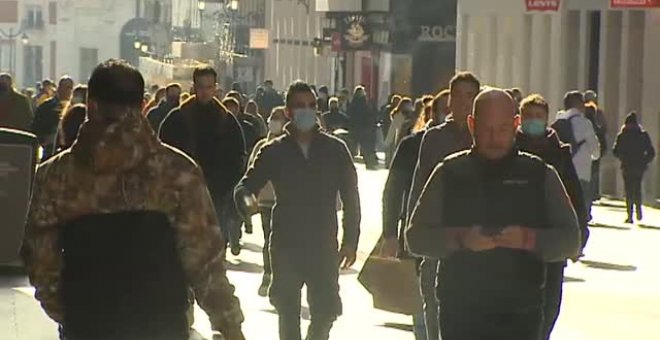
x=542, y=5
x=635, y=3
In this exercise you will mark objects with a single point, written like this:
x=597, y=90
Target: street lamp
x=201, y=5
x=24, y=39
x=144, y=48
x=137, y=44
x=11, y=36
x=233, y=5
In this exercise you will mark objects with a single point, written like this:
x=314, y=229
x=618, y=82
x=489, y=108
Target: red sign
x=336, y=42
x=542, y=5
x=635, y=3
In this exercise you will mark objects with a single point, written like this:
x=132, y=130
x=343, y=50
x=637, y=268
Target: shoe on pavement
x=629, y=220
x=236, y=249
x=265, y=284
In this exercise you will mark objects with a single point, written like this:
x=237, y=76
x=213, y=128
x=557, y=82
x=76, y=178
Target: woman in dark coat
x=634, y=149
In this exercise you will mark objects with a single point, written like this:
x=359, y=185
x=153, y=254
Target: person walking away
x=440, y=107
x=73, y=118
x=252, y=112
x=271, y=98
x=576, y=130
x=113, y=200
x=171, y=101
x=402, y=112
x=155, y=100
x=307, y=168
x=633, y=147
x=536, y=138
x=439, y=142
x=494, y=216
x=15, y=111
x=386, y=110
x=276, y=121
x=334, y=119
x=203, y=129
x=47, y=116
x=323, y=98
x=591, y=112
x=362, y=126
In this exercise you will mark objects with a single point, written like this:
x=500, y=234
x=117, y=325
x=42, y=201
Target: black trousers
x=292, y=271
x=461, y=323
x=554, y=288
x=632, y=184
x=365, y=139
x=266, y=214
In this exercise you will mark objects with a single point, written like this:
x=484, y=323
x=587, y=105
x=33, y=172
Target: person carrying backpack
x=576, y=130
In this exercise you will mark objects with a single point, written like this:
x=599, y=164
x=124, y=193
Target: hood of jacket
x=116, y=146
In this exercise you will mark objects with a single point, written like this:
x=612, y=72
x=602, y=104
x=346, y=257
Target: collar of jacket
x=290, y=129
x=117, y=146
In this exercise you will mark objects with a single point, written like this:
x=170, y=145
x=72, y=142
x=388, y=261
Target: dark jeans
x=595, y=180
x=428, y=275
x=632, y=184
x=587, y=194
x=266, y=213
x=462, y=323
x=365, y=140
x=230, y=221
x=320, y=273
x=553, y=296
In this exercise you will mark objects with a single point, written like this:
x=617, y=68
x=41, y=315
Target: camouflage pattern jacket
x=118, y=167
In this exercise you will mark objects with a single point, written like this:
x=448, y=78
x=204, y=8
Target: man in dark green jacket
x=15, y=110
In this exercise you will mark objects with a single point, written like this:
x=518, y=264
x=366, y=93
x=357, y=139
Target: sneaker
x=629, y=220
x=265, y=283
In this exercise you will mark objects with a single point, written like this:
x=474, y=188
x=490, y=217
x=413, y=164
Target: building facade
x=550, y=47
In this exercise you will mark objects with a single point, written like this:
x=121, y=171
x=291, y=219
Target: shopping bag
x=393, y=283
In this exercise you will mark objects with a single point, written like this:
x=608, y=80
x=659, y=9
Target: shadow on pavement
x=573, y=279
x=649, y=227
x=399, y=326
x=609, y=266
x=255, y=248
x=349, y=271
x=304, y=312
x=605, y=226
x=247, y=267
x=620, y=205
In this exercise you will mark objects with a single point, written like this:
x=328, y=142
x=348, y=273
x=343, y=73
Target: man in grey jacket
x=494, y=217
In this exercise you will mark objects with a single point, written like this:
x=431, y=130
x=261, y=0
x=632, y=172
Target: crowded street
x=611, y=294
x=329, y=170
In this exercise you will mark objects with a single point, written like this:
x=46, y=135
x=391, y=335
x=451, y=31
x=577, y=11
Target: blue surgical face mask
x=534, y=127
x=304, y=119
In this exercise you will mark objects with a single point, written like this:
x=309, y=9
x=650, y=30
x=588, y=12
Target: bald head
x=493, y=123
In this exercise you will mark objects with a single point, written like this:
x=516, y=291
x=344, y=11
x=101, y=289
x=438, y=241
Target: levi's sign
x=542, y=5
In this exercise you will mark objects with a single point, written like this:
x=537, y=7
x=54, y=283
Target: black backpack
x=564, y=129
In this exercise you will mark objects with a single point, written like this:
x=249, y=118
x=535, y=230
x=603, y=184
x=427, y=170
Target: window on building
x=53, y=59
x=33, y=66
x=52, y=13
x=89, y=58
x=34, y=17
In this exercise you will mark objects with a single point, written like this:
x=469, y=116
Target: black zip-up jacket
x=634, y=149
x=551, y=150
x=305, y=216
x=211, y=136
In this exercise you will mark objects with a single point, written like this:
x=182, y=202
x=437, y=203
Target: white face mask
x=275, y=126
